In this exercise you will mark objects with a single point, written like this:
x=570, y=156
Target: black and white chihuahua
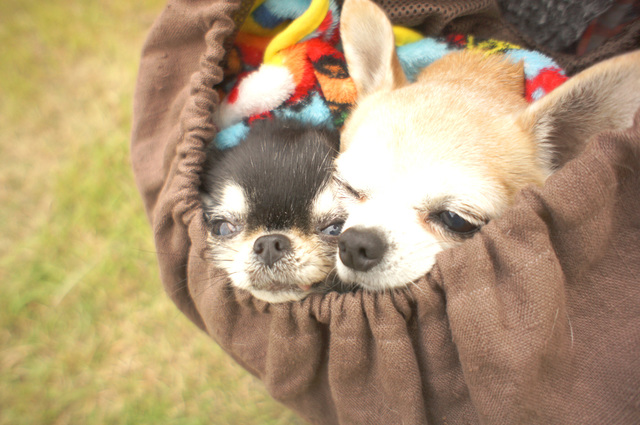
x=272, y=211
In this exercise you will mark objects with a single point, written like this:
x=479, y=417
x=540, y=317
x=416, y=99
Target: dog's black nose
x=361, y=248
x=271, y=248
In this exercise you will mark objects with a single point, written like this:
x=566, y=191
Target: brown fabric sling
x=536, y=320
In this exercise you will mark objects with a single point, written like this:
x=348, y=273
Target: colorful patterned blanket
x=286, y=62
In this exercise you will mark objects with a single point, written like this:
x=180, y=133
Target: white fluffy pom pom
x=261, y=91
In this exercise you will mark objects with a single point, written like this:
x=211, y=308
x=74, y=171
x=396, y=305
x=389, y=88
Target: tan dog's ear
x=369, y=48
x=603, y=97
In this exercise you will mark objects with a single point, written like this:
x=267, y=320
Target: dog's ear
x=369, y=48
x=603, y=97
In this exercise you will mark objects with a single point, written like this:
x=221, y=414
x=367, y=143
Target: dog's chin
x=381, y=278
x=277, y=287
x=279, y=296
x=275, y=291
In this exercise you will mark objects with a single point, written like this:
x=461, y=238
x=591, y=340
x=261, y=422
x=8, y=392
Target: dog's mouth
x=282, y=279
x=280, y=286
x=281, y=291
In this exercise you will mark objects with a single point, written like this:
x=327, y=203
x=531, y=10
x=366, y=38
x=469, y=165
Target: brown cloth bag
x=535, y=320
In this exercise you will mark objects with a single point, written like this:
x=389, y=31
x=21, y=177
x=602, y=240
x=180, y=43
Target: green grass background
x=87, y=335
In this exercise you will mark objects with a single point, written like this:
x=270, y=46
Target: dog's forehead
x=389, y=142
x=417, y=114
x=436, y=142
x=375, y=172
x=435, y=112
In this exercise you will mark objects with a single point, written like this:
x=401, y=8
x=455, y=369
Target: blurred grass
x=87, y=335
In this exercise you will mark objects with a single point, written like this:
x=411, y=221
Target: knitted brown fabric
x=535, y=320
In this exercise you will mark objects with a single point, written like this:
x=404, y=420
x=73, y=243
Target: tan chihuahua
x=424, y=166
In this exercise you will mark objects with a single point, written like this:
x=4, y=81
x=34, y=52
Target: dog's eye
x=224, y=228
x=457, y=224
x=333, y=229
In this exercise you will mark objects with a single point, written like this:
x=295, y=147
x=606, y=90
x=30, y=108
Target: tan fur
x=461, y=138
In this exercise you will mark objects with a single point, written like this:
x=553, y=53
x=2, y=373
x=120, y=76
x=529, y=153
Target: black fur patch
x=281, y=166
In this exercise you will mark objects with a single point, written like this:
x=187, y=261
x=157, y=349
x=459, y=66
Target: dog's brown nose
x=361, y=248
x=271, y=248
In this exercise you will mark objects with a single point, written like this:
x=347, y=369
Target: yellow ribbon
x=296, y=31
